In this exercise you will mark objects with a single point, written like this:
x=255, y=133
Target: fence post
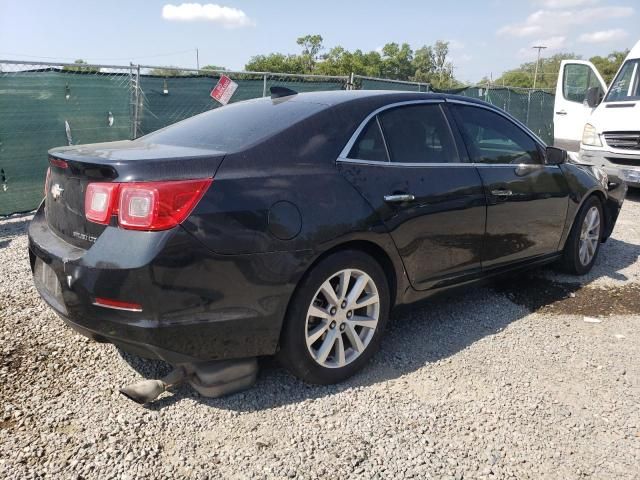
x=528, y=107
x=132, y=100
x=351, y=85
x=136, y=114
x=264, y=85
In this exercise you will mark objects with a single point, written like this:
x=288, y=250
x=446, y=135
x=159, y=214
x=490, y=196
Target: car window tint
x=492, y=138
x=418, y=134
x=370, y=145
x=235, y=126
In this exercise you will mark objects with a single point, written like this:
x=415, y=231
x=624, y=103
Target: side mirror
x=555, y=156
x=594, y=97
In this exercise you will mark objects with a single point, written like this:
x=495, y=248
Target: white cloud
x=557, y=22
x=603, y=36
x=565, y=3
x=228, y=17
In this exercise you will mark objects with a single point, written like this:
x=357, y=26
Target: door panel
x=526, y=212
x=432, y=204
x=570, y=111
x=527, y=200
x=438, y=234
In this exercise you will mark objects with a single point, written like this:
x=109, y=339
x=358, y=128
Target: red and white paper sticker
x=224, y=90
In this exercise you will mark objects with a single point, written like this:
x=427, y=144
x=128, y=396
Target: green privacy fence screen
x=45, y=105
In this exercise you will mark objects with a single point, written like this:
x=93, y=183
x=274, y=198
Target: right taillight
x=144, y=205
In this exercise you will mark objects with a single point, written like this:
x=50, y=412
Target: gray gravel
x=474, y=385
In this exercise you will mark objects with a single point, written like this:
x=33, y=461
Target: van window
x=578, y=78
x=626, y=85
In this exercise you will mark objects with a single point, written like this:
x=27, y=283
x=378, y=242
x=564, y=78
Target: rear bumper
x=624, y=165
x=196, y=305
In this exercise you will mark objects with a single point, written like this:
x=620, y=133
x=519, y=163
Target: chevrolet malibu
x=292, y=225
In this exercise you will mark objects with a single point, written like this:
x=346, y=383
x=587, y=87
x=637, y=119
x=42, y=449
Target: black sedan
x=292, y=225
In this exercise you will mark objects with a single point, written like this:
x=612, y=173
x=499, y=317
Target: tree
x=213, y=67
x=396, y=61
x=431, y=65
x=311, y=47
x=276, y=63
x=168, y=72
x=547, y=72
x=69, y=68
x=608, y=66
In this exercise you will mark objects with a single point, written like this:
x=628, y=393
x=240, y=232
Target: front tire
x=583, y=244
x=336, y=318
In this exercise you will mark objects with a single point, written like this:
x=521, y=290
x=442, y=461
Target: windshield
x=235, y=126
x=626, y=86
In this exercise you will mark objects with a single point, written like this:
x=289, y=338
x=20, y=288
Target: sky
x=486, y=38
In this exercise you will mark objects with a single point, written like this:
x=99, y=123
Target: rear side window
x=370, y=144
x=234, y=126
x=418, y=134
x=492, y=138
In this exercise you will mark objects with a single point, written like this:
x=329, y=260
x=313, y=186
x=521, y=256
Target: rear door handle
x=399, y=198
x=501, y=193
x=561, y=112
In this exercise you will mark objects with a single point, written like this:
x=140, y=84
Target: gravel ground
x=504, y=381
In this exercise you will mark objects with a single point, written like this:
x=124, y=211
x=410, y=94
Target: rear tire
x=336, y=318
x=583, y=244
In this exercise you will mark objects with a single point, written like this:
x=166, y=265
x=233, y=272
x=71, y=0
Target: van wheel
x=583, y=244
x=336, y=318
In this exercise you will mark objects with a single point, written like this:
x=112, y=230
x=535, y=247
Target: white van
x=598, y=128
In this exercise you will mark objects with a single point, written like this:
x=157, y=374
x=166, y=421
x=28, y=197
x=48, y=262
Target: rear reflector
x=117, y=305
x=99, y=201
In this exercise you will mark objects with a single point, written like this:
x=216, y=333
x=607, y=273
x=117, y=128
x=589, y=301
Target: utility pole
x=535, y=75
x=197, y=60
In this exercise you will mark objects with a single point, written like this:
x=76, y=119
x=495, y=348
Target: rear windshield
x=626, y=86
x=235, y=126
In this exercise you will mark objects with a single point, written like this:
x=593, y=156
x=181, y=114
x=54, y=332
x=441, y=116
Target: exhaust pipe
x=212, y=379
x=148, y=390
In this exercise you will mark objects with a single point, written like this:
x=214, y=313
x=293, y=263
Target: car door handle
x=501, y=193
x=561, y=112
x=399, y=198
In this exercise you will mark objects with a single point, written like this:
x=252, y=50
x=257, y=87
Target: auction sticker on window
x=224, y=90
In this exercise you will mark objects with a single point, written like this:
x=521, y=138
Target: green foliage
x=213, y=67
x=608, y=66
x=395, y=61
x=547, y=72
x=79, y=61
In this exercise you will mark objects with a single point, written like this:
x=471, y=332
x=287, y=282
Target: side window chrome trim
x=347, y=148
x=517, y=122
x=446, y=164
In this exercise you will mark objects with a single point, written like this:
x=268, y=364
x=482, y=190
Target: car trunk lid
x=73, y=168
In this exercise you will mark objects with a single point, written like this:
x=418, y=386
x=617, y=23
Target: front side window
x=494, y=139
x=418, y=134
x=626, y=85
x=577, y=79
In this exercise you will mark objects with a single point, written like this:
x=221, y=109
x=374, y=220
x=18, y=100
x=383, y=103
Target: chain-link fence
x=44, y=105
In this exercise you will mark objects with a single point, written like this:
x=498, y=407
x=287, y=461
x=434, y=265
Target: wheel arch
x=375, y=251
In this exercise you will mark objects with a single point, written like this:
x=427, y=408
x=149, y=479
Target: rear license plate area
x=48, y=285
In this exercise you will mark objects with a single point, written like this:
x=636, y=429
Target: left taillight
x=144, y=205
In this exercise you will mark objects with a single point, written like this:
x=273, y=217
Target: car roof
x=336, y=97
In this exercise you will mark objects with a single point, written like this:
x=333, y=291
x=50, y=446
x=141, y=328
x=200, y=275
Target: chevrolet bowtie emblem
x=56, y=191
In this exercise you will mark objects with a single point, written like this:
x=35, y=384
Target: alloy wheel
x=589, y=236
x=342, y=318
